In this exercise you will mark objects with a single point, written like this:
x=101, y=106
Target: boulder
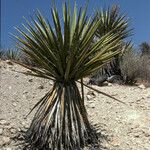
x=142, y=86
x=115, y=79
x=98, y=80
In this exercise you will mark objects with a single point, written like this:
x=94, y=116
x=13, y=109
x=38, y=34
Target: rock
x=10, y=87
x=98, y=80
x=30, y=80
x=105, y=83
x=26, y=126
x=147, y=134
x=115, y=142
x=19, y=129
x=8, y=127
x=1, y=131
x=16, y=76
x=89, y=97
x=86, y=80
x=25, y=92
x=8, y=148
x=41, y=87
x=142, y=86
x=92, y=105
x=3, y=122
x=25, y=96
x=13, y=130
x=50, y=82
x=9, y=62
x=137, y=135
x=115, y=79
x=5, y=140
x=110, y=84
x=91, y=93
x=14, y=104
x=23, y=123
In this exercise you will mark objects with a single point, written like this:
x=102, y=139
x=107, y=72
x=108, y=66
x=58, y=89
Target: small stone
x=8, y=127
x=13, y=130
x=23, y=123
x=30, y=80
x=108, y=102
x=137, y=135
x=26, y=126
x=115, y=142
x=19, y=129
x=10, y=87
x=14, y=104
x=9, y=62
x=8, y=148
x=110, y=84
x=1, y=131
x=92, y=105
x=114, y=94
x=89, y=97
x=41, y=87
x=50, y=82
x=25, y=92
x=5, y=140
x=16, y=76
x=3, y=122
x=147, y=134
x=142, y=86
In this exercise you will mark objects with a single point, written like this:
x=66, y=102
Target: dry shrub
x=26, y=60
x=144, y=71
x=129, y=65
x=134, y=66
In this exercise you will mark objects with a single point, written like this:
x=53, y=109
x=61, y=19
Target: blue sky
x=12, y=12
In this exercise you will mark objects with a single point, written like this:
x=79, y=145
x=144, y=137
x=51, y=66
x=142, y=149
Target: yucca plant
x=112, y=20
x=12, y=54
x=64, y=54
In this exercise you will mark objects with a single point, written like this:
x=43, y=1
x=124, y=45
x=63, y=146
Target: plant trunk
x=61, y=121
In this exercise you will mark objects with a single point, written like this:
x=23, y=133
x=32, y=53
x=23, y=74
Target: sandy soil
x=122, y=127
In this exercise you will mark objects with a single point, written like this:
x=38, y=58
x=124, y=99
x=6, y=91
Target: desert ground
x=120, y=126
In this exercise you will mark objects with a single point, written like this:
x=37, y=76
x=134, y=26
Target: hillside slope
x=121, y=127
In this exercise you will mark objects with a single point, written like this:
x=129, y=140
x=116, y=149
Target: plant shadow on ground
x=95, y=144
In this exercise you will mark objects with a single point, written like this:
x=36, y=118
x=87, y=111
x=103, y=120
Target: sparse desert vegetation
x=82, y=83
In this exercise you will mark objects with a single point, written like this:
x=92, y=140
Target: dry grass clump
x=129, y=66
x=144, y=68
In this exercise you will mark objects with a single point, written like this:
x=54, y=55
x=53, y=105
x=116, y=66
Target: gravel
x=121, y=127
